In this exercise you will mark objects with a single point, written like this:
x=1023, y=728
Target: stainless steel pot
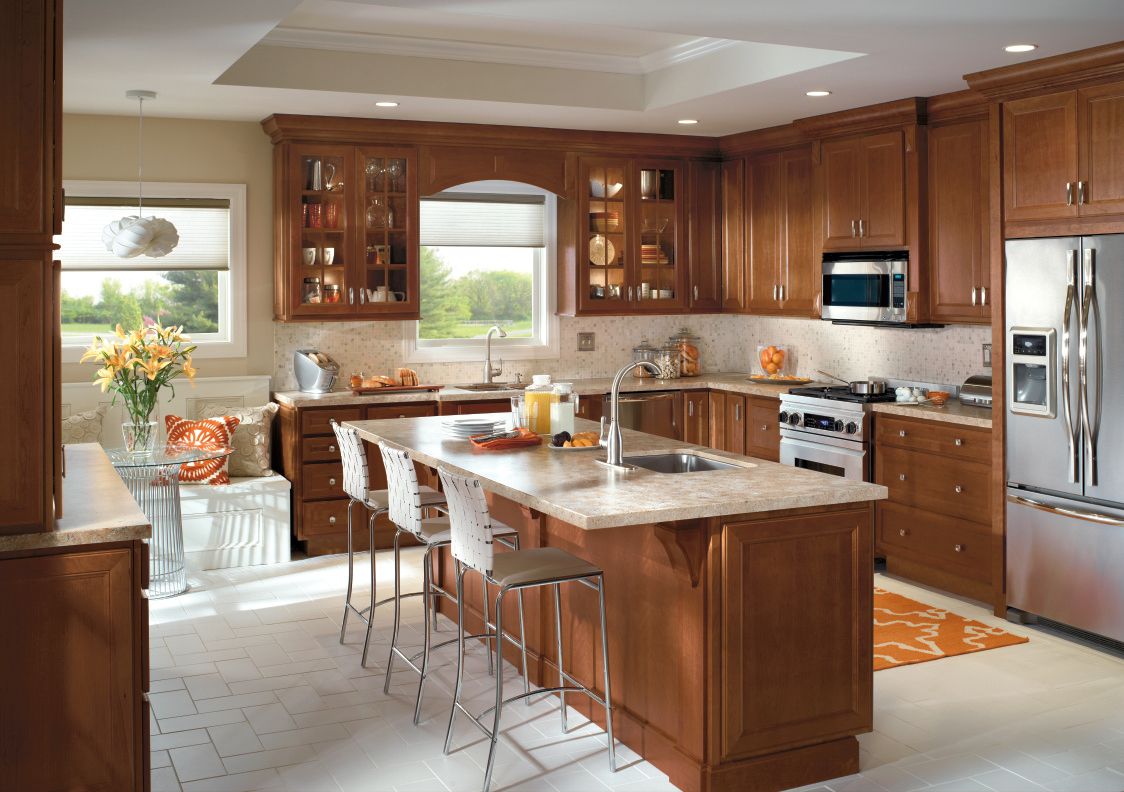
x=866, y=387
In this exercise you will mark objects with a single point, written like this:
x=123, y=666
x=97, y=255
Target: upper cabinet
x=704, y=230
x=863, y=191
x=735, y=291
x=1061, y=155
x=782, y=268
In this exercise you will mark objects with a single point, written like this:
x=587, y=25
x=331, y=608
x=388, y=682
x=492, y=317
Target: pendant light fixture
x=136, y=234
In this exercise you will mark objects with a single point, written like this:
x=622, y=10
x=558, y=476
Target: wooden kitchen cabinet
x=763, y=434
x=935, y=527
x=704, y=218
x=959, y=255
x=696, y=417
x=735, y=422
x=591, y=407
x=862, y=187
x=1100, y=141
x=734, y=274
x=782, y=268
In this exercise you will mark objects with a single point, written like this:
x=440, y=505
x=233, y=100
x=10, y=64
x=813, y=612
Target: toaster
x=316, y=372
x=976, y=391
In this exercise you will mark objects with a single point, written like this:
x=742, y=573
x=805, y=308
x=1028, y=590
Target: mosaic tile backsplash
x=728, y=343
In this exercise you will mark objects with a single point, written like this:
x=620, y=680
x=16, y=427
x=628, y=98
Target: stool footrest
x=578, y=688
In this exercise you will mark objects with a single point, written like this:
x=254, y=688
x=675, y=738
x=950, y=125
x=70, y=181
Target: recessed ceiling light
x=817, y=93
x=1021, y=47
x=386, y=104
x=688, y=121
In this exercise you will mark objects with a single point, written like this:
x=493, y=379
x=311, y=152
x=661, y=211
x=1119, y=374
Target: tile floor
x=252, y=691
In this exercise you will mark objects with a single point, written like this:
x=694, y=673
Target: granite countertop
x=97, y=507
x=571, y=486
x=953, y=412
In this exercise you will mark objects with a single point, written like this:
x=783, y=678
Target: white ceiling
x=629, y=65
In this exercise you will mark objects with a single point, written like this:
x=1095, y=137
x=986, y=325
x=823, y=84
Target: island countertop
x=572, y=486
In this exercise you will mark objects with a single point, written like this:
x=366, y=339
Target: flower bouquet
x=135, y=366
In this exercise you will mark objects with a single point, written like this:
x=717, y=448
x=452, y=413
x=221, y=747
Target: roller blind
x=203, y=226
x=483, y=221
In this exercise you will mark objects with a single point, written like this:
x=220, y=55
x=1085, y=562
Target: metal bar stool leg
x=499, y=696
x=371, y=612
x=350, y=572
x=558, y=646
x=426, y=642
x=487, y=619
x=460, y=569
x=605, y=665
x=397, y=610
x=522, y=650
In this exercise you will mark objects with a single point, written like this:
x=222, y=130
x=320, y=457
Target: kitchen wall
x=186, y=150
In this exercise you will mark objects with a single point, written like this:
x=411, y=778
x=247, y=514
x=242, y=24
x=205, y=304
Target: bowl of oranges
x=773, y=359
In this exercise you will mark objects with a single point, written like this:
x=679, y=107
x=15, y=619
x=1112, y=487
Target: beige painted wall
x=183, y=150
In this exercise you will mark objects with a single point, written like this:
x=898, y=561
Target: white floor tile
x=196, y=761
x=171, y=704
x=235, y=738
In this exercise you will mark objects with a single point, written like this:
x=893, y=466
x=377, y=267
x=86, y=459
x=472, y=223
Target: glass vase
x=140, y=437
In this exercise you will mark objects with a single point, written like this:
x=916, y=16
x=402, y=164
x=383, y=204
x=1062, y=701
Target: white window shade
x=481, y=221
x=203, y=226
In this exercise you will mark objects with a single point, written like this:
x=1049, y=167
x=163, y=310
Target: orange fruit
x=772, y=368
x=778, y=357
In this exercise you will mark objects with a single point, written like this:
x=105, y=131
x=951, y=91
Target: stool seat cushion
x=379, y=500
x=539, y=565
x=435, y=530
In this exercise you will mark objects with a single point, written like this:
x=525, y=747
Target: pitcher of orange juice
x=537, y=400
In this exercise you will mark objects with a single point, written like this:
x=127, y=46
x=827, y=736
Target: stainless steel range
x=827, y=429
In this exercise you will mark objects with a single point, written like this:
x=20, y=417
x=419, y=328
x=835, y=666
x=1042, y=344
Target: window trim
x=543, y=346
x=232, y=287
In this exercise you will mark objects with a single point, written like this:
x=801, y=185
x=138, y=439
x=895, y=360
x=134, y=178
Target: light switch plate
x=587, y=342
x=987, y=355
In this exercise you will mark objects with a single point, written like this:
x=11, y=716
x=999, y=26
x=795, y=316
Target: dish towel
x=526, y=439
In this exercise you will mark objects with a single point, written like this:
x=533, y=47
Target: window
x=200, y=284
x=487, y=258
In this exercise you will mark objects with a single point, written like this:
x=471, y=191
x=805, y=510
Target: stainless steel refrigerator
x=1065, y=431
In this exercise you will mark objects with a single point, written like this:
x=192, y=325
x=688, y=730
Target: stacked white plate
x=465, y=426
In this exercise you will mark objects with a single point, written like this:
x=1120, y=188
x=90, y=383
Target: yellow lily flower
x=188, y=369
x=120, y=331
x=104, y=378
x=151, y=367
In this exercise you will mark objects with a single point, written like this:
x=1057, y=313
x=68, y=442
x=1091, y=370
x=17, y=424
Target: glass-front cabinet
x=630, y=217
x=352, y=249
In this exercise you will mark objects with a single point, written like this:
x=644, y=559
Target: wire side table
x=153, y=479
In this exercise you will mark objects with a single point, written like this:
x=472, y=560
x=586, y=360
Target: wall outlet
x=587, y=342
x=987, y=355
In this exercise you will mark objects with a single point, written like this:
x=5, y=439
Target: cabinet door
x=882, y=218
x=733, y=236
x=1040, y=157
x=766, y=206
x=798, y=268
x=763, y=434
x=1101, y=129
x=717, y=419
x=321, y=250
x=958, y=222
x=735, y=423
x=386, y=270
x=660, y=266
x=591, y=407
x=840, y=166
x=605, y=246
x=696, y=418
x=704, y=267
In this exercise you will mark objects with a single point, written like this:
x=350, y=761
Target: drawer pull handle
x=958, y=489
x=764, y=427
x=959, y=442
x=903, y=532
x=332, y=520
x=331, y=482
x=403, y=415
x=958, y=548
x=901, y=476
x=901, y=433
x=331, y=449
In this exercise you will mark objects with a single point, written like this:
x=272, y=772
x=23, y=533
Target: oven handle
x=821, y=447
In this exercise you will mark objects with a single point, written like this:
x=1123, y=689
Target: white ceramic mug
x=327, y=256
x=308, y=256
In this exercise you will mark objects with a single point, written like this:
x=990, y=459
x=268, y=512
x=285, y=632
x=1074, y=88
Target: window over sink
x=487, y=258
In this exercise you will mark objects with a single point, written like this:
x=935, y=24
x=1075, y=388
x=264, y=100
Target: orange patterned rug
x=907, y=632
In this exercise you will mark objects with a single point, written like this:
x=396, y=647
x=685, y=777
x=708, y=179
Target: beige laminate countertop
x=953, y=412
x=571, y=486
x=97, y=507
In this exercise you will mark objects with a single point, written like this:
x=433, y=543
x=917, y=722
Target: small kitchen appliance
x=865, y=288
x=826, y=429
x=315, y=371
x=976, y=391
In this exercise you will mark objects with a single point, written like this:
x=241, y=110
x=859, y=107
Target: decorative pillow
x=205, y=433
x=251, y=441
x=83, y=427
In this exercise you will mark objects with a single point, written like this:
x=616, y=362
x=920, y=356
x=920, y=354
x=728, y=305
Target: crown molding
x=863, y=119
x=1058, y=72
x=507, y=54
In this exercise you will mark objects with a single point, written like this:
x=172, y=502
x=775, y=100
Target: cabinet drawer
x=323, y=480
x=315, y=422
x=938, y=437
x=763, y=433
x=946, y=486
x=946, y=542
x=328, y=517
x=421, y=410
x=320, y=449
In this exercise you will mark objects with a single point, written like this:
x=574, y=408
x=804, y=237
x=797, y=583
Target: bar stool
x=356, y=483
x=406, y=506
x=473, y=529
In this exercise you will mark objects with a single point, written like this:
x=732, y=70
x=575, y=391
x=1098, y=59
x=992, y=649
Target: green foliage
x=443, y=304
x=447, y=304
x=185, y=298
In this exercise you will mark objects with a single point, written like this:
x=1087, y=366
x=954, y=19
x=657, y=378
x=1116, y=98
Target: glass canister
x=667, y=361
x=690, y=364
x=563, y=408
x=643, y=351
x=538, y=397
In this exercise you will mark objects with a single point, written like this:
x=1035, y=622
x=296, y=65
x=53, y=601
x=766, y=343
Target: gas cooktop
x=841, y=393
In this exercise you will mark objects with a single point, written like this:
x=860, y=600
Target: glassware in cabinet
x=605, y=221
x=388, y=219
x=321, y=251
x=659, y=233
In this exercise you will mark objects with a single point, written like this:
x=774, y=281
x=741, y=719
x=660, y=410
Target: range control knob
x=838, y=425
x=783, y=417
x=794, y=419
x=852, y=428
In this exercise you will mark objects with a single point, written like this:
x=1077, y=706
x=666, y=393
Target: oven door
x=825, y=455
x=864, y=291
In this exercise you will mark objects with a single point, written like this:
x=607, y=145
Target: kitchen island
x=739, y=600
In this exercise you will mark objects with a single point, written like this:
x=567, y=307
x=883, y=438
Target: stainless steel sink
x=492, y=386
x=681, y=462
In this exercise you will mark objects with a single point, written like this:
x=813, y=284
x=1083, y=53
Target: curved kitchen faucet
x=614, y=447
x=490, y=372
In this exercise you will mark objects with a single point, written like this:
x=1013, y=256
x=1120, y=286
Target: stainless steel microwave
x=865, y=287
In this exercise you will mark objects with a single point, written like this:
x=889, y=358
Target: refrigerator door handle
x=1067, y=409
x=1079, y=514
x=1088, y=298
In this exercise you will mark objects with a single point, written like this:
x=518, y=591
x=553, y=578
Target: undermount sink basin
x=492, y=386
x=678, y=463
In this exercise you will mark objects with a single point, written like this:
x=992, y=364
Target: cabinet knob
x=958, y=548
x=901, y=433
x=901, y=477
x=331, y=482
x=331, y=449
x=959, y=441
x=903, y=532
x=958, y=489
x=332, y=520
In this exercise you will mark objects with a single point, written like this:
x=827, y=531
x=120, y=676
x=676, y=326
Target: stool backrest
x=470, y=522
x=356, y=478
x=402, y=486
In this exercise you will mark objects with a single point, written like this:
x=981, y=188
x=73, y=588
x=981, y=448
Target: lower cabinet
x=75, y=711
x=745, y=424
x=696, y=417
x=935, y=527
x=307, y=455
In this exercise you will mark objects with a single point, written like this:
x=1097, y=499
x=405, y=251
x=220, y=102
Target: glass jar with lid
x=643, y=352
x=690, y=363
x=563, y=408
x=667, y=361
